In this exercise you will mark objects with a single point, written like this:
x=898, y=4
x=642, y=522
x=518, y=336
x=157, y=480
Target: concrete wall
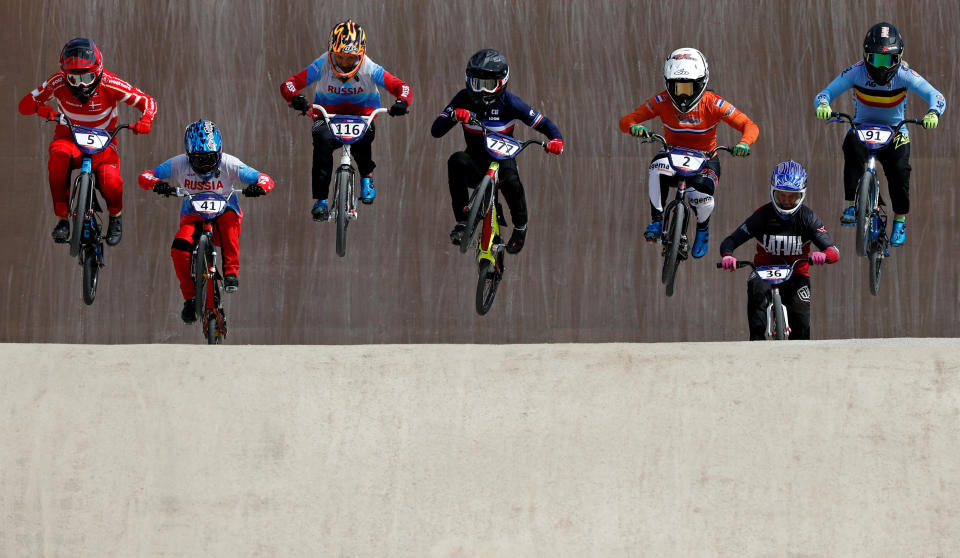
x=584, y=275
x=820, y=449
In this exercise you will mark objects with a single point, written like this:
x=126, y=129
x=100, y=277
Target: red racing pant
x=66, y=156
x=226, y=235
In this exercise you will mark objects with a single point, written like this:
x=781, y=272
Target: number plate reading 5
x=774, y=274
x=686, y=162
x=347, y=129
x=91, y=140
x=502, y=145
x=208, y=206
x=874, y=136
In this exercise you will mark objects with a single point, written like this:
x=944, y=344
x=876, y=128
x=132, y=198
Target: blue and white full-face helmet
x=788, y=188
x=203, y=145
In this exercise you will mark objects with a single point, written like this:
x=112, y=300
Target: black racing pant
x=795, y=295
x=465, y=170
x=324, y=144
x=705, y=182
x=895, y=159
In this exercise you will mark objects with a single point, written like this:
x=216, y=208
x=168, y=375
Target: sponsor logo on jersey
x=342, y=90
x=822, y=229
x=689, y=118
x=405, y=91
x=782, y=245
x=202, y=185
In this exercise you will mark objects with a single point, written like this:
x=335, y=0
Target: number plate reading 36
x=686, y=162
x=502, y=145
x=872, y=136
x=91, y=140
x=208, y=206
x=774, y=274
x=347, y=129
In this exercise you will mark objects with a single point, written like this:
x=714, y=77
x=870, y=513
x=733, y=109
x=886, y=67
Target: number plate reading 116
x=347, y=129
x=686, y=162
x=874, y=135
x=773, y=273
x=90, y=139
x=502, y=145
x=208, y=206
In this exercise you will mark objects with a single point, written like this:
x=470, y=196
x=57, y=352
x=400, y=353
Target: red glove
x=818, y=258
x=46, y=112
x=462, y=115
x=141, y=127
x=555, y=146
x=729, y=263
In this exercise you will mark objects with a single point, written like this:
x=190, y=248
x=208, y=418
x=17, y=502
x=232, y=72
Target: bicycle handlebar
x=367, y=117
x=745, y=263
x=666, y=146
x=841, y=116
x=63, y=119
x=523, y=144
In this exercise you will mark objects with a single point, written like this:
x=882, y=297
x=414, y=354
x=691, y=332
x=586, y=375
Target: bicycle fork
x=351, y=201
x=486, y=249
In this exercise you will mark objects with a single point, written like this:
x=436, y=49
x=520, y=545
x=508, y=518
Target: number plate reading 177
x=874, y=136
x=91, y=140
x=208, y=206
x=774, y=273
x=502, y=145
x=686, y=162
x=347, y=129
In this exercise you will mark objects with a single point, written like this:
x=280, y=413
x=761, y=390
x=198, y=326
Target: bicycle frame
x=778, y=322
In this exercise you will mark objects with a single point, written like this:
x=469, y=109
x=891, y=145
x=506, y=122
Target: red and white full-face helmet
x=686, y=75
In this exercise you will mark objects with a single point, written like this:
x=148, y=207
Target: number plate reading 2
x=501, y=146
x=874, y=135
x=208, y=205
x=91, y=140
x=348, y=128
x=774, y=273
x=686, y=162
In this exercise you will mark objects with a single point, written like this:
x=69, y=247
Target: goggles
x=485, y=85
x=346, y=62
x=81, y=80
x=683, y=88
x=882, y=60
x=204, y=162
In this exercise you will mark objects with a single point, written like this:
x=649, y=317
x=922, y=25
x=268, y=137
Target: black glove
x=164, y=189
x=399, y=108
x=253, y=190
x=299, y=102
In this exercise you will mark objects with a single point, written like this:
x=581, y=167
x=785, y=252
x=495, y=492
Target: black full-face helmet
x=882, y=52
x=487, y=75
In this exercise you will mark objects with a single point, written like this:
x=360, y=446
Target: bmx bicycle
x=778, y=325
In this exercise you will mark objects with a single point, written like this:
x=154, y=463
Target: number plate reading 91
x=91, y=140
x=504, y=146
x=686, y=162
x=774, y=273
x=874, y=136
x=208, y=206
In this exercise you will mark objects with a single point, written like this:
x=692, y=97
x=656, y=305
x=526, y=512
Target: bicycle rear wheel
x=343, y=186
x=876, y=258
x=864, y=209
x=201, y=270
x=91, y=274
x=79, y=210
x=488, y=279
x=673, y=227
x=780, y=322
x=477, y=200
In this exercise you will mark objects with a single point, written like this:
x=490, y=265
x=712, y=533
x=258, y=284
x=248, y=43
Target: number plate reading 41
x=91, y=140
x=774, y=273
x=874, y=136
x=208, y=206
x=504, y=146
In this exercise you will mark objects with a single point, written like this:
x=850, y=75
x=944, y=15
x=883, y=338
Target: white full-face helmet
x=686, y=74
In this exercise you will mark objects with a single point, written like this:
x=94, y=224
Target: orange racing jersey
x=696, y=129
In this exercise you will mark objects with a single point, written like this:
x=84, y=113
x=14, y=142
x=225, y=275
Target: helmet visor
x=882, y=60
x=485, y=85
x=787, y=200
x=205, y=162
x=82, y=80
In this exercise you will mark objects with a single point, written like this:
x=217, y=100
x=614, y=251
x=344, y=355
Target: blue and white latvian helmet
x=788, y=188
x=203, y=145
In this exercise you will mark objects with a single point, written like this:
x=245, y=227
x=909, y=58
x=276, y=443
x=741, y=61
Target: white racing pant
x=701, y=203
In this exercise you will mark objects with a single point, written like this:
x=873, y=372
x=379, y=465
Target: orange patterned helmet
x=348, y=43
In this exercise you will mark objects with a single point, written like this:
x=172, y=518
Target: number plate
x=686, y=162
x=872, y=135
x=91, y=139
x=208, y=205
x=774, y=273
x=501, y=146
x=348, y=128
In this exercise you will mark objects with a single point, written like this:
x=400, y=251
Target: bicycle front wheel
x=876, y=258
x=673, y=228
x=478, y=200
x=488, y=279
x=864, y=210
x=343, y=186
x=779, y=320
x=79, y=210
x=91, y=274
x=201, y=270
